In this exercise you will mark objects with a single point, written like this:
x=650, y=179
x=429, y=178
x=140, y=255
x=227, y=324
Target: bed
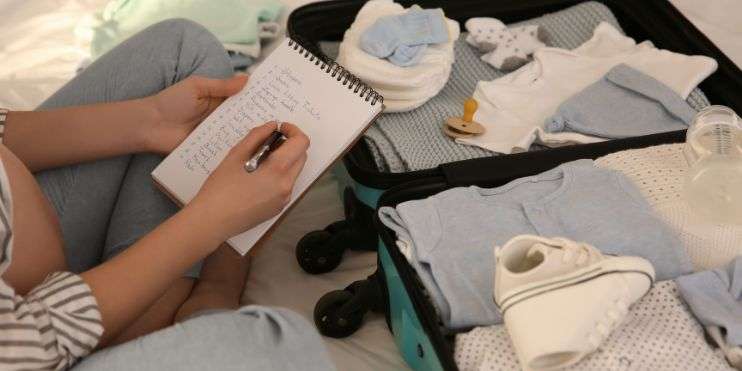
x=42, y=42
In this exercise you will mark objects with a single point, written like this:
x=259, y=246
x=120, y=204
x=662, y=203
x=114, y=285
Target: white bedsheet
x=277, y=280
x=39, y=52
x=39, y=48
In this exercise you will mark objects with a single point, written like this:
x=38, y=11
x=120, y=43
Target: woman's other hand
x=235, y=200
x=181, y=107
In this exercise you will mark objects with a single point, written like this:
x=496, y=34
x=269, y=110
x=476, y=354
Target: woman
x=93, y=255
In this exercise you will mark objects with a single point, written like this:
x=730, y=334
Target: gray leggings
x=105, y=206
x=250, y=338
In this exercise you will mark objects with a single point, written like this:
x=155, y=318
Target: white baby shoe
x=560, y=299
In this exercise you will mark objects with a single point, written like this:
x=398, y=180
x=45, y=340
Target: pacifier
x=464, y=126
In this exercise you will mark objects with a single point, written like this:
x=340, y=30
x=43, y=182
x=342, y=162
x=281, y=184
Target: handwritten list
x=287, y=86
x=274, y=93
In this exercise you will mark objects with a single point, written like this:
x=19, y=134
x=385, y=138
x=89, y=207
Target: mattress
x=42, y=42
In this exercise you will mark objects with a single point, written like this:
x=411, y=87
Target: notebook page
x=285, y=87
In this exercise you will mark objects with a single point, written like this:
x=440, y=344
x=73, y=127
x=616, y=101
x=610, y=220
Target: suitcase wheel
x=322, y=251
x=339, y=313
x=316, y=253
x=335, y=315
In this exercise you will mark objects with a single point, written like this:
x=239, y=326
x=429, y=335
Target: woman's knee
x=270, y=338
x=198, y=50
x=177, y=28
x=267, y=325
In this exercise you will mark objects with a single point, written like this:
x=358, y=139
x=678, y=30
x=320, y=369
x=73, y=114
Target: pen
x=274, y=141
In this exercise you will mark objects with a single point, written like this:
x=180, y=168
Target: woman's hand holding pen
x=235, y=200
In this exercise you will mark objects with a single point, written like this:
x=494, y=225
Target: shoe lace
x=578, y=252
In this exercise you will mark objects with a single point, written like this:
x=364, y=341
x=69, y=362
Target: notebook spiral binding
x=339, y=73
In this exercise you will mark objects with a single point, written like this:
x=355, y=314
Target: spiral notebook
x=329, y=104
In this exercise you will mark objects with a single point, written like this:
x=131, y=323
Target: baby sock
x=484, y=33
x=529, y=38
x=506, y=58
x=405, y=55
x=513, y=51
x=507, y=48
x=414, y=27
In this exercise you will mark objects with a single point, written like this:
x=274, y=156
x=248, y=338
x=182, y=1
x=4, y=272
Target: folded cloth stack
x=403, y=88
x=505, y=48
x=408, y=141
x=659, y=334
x=238, y=24
x=448, y=237
x=268, y=29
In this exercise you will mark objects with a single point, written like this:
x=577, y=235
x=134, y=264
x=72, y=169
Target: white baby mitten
x=506, y=58
x=529, y=38
x=484, y=33
x=517, y=44
x=506, y=48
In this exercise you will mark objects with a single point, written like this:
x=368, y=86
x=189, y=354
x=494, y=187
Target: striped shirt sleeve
x=55, y=324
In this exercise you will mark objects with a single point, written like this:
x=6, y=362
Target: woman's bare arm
x=46, y=139
x=231, y=201
x=128, y=284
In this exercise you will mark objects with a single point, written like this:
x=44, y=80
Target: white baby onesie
x=513, y=108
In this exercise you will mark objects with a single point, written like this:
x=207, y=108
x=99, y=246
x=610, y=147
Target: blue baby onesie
x=624, y=103
x=715, y=298
x=450, y=236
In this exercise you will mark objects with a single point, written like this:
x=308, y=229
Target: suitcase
x=321, y=251
x=394, y=288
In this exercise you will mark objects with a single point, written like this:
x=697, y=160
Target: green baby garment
x=232, y=21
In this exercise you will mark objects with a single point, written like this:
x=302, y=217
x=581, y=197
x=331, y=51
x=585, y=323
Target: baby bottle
x=713, y=184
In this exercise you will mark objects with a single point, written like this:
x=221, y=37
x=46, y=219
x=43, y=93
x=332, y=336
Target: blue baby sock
x=414, y=27
x=405, y=56
x=383, y=37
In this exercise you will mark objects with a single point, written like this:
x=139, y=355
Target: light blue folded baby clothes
x=624, y=103
x=403, y=38
x=449, y=238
